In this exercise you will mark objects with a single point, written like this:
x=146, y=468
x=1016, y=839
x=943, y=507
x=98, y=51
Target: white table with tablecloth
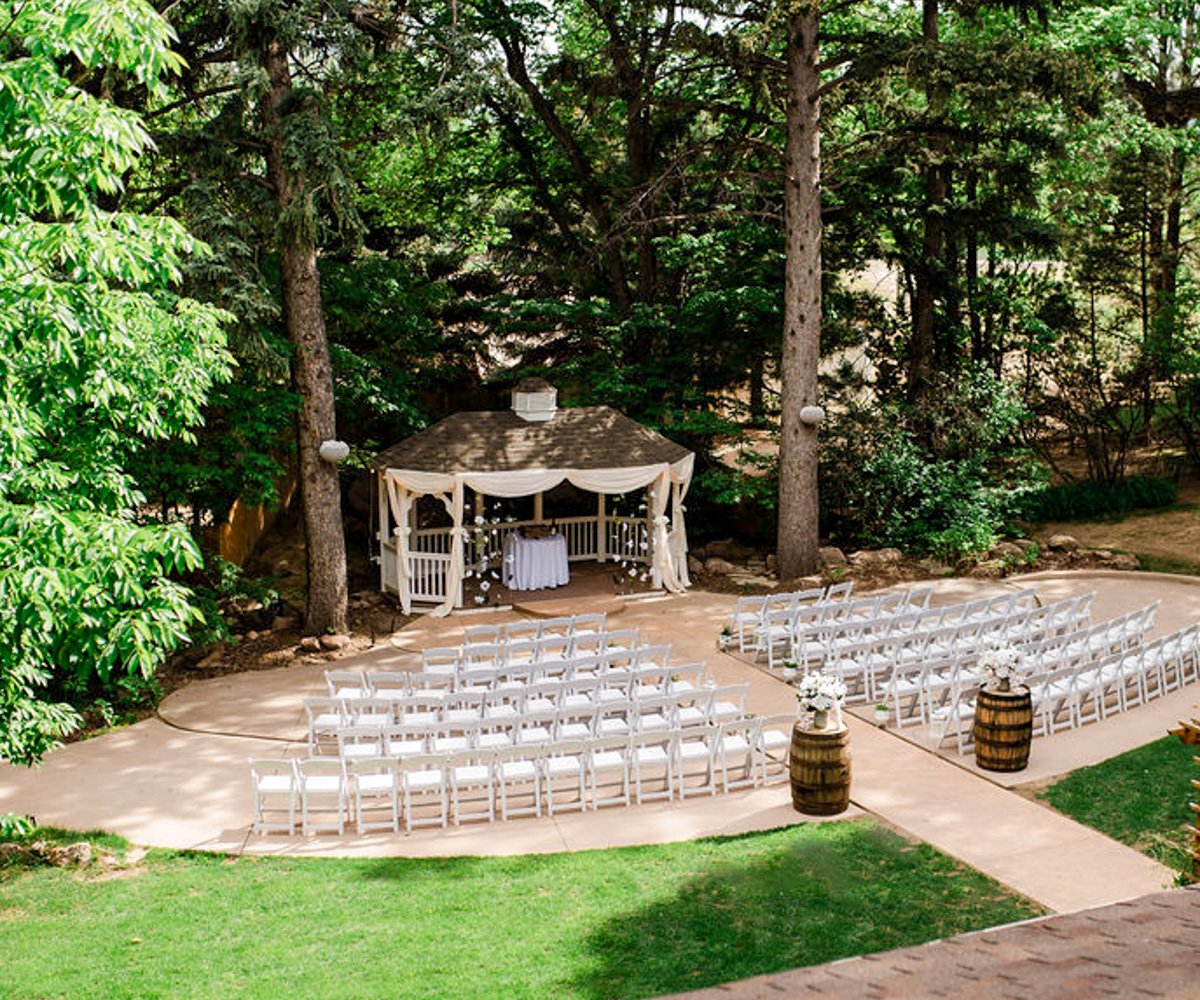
x=535, y=563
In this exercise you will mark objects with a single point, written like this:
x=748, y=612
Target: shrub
x=1072, y=501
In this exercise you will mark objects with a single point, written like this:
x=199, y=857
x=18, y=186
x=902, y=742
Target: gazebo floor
x=590, y=582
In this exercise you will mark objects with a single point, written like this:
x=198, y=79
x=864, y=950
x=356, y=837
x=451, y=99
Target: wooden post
x=537, y=508
x=601, y=529
x=1189, y=735
x=385, y=521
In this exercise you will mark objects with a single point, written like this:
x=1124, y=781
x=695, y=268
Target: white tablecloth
x=534, y=563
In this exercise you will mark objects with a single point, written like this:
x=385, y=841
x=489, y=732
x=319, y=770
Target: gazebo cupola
x=535, y=400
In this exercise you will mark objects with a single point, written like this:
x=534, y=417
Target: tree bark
x=923, y=344
x=798, y=538
x=312, y=375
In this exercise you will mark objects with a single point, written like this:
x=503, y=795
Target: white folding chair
x=423, y=782
x=322, y=782
x=347, y=684
x=275, y=789
x=651, y=755
x=371, y=781
x=735, y=754
x=564, y=769
x=772, y=746
x=608, y=768
x=467, y=771
x=325, y=717
x=518, y=770
x=696, y=755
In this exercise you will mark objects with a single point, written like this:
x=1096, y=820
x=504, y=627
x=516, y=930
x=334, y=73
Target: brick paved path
x=1147, y=947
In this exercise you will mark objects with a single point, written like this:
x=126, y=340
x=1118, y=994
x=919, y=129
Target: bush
x=949, y=493
x=1072, y=501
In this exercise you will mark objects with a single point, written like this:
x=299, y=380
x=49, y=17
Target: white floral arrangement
x=1002, y=663
x=819, y=692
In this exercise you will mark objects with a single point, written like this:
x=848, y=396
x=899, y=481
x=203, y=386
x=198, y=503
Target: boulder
x=934, y=568
x=772, y=562
x=310, y=644
x=876, y=557
x=831, y=555
x=212, y=658
x=78, y=854
x=283, y=623
x=251, y=635
x=1125, y=561
x=1024, y=544
x=1062, y=543
x=334, y=642
x=989, y=569
x=727, y=548
x=695, y=566
x=1006, y=550
x=718, y=567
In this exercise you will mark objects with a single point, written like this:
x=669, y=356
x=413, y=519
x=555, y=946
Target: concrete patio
x=180, y=780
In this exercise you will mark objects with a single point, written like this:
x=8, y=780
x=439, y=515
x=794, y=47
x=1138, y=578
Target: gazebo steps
x=561, y=607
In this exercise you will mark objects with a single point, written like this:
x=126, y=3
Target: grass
x=1163, y=564
x=1139, y=798
x=633, y=922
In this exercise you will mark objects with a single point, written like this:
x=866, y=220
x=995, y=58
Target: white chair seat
x=450, y=744
x=689, y=715
x=562, y=765
x=491, y=740
x=323, y=783
x=276, y=783
x=476, y=774
x=518, y=770
x=607, y=760
x=422, y=780
x=534, y=734
x=613, y=726
x=404, y=748
x=376, y=782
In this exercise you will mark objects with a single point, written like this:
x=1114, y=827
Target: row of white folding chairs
x=777, y=630
x=537, y=717
x=750, y=612
x=568, y=626
x=904, y=623
x=866, y=664
x=476, y=784
x=1087, y=690
x=916, y=688
x=550, y=649
x=352, y=684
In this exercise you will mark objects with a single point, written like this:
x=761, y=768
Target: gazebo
x=525, y=452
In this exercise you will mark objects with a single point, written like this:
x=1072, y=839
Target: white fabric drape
x=662, y=568
x=526, y=482
x=400, y=501
x=678, y=540
x=453, y=502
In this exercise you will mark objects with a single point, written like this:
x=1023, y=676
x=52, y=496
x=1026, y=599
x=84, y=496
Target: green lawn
x=619, y=923
x=1139, y=798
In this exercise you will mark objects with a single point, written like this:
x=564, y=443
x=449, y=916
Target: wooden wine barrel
x=1003, y=729
x=819, y=766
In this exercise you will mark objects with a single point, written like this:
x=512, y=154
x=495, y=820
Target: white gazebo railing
x=625, y=538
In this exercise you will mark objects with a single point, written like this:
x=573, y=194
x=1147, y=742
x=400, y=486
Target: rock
x=772, y=562
x=752, y=580
x=310, y=644
x=1025, y=544
x=1062, y=543
x=934, y=568
x=876, y=557
x=718, y=567
x=212, y=658
x=282, y=568
x=727, y=548
x=1102, y=554
x=990, y=569
x=9, y=851
x=79, y=854
x=283, y=623
x=251, y=635
x=334, y=642
x=695, y=566
x=1006, y=550
x=831, y=555
x=1125, y=561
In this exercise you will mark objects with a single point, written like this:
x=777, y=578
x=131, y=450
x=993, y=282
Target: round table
x=535, y=563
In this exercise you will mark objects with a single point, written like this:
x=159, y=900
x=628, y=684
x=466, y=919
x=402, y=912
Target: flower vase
x=1003, y=684
x=820, y=718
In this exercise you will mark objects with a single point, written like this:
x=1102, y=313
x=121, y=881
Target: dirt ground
x=1172, y=535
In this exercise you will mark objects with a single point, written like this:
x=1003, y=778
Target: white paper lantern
x=333, y=451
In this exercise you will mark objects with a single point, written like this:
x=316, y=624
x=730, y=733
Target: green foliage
x=99, y=355
x=635, y=922
x=13, y=826
x=1139, y=798
x=1075, y=501
x=949, y=495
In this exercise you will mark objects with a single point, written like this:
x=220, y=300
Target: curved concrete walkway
x=180, y=780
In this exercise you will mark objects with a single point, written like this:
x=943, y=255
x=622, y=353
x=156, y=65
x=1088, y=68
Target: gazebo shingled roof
x=582, y=437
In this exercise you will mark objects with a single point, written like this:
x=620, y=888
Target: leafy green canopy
x=97, y=355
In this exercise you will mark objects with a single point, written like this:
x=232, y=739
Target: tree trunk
x=923, y=344
x=798, y=537
x=312, y=376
